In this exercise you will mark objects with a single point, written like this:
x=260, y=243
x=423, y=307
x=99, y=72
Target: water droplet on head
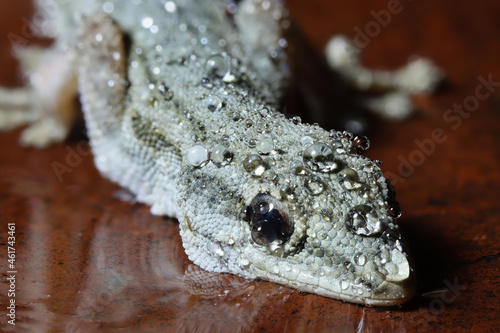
x=359, y=259
x=361, y=142
x=165, y=91
x=363, y=220
x=221, y=156
x=298, y=168
x=350, y=178
x=314, y=186
x=197, y=156
x=214, y=103
x=206, y=82
x=306, y=140
x=265, y=112
x=217, y=65
x=319, y=157
x=338, y=147
x=349, y=174
x=254, y=165
x=265, y=146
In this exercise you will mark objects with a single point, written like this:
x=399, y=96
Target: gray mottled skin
x=181, y=105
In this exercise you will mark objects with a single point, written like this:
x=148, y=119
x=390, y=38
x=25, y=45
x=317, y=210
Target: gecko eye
x=269, y=221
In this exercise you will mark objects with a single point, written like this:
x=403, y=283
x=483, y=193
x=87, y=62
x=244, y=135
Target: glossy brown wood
x=89, y=261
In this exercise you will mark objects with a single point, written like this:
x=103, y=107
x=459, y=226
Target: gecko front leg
x=48, y=103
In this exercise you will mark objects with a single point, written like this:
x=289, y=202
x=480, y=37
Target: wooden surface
x=88, y=261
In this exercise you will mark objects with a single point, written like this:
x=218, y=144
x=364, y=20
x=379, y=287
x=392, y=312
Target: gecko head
x=302, y=207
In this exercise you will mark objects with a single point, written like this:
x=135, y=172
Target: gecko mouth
x=387, y=293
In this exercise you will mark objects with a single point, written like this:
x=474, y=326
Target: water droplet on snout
x=215, y=248
x=243, y=261
x=350, y=178
x=364, y=221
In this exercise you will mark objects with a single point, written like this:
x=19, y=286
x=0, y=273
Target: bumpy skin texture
x=181, y=104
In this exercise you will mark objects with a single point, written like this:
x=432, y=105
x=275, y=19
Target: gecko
x=181, y=100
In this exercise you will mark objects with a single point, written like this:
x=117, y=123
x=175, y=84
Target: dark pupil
x=268, y=225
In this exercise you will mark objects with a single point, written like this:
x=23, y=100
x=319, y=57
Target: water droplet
x=165, y=91
x=297, y=168
x=215, y=248
x=306, y=141
x=254, y=165
x=217, y=65
x=265, y=146
x=236, y=116
x=359, y=259
x=350, y=178
x=319, y=157
x=348, y=135
x=206, y=82
x=391, y=237
x=314, y=186
x=197, y=156
x=363, y=220
x=243, y=261
x=221, y=156
x=265, y=112
x=344, y=285
x=361, y=142
x=394, y=209
x=214, y=103
x=338, y=147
